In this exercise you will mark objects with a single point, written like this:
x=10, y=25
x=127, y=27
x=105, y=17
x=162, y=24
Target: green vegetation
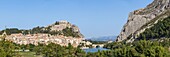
x=57, y=23
x=69, y=32
x=7, y=49
x=11, y=31
x=54, y=50
x=159, y=30
x=140, y=48
x=29, y=54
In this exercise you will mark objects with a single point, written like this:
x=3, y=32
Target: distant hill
x=103, y=38
x=58, y=28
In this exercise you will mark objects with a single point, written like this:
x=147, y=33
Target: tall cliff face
x=139, y=18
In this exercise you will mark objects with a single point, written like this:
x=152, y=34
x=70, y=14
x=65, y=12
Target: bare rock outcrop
x=59, y=26
x=139, y=18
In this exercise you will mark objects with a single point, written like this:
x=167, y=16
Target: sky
x=95, y=18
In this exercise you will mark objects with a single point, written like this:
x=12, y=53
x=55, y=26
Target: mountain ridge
x=139, y=18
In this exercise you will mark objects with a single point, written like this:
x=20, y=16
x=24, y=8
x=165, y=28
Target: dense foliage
x=140, y=48
x=7, y=49
x=69, y=32
x=54, y=50
x=159, y=30
x=11, y=31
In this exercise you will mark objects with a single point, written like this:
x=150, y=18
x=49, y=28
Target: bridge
x=98, y=45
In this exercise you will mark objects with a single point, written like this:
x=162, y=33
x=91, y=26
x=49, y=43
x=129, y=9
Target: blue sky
x=93, y=17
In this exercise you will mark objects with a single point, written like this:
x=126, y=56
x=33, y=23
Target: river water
x=94, y=49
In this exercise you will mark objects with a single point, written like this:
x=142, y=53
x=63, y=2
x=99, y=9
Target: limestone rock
x=139, y=18
x=63, y=24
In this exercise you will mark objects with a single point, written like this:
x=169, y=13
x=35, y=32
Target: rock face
x=139, y=18
x=59, y=26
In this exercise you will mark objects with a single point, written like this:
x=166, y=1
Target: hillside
x=58, y=28
x=141, y=19
x=161, y=29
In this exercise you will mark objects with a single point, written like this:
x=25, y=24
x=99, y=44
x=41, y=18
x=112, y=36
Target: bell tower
x=4, y=33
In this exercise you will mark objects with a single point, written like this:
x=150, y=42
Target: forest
x=159, y=30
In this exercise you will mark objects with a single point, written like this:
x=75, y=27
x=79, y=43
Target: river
x=94, y=49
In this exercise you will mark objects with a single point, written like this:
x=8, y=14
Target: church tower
x=4, y=34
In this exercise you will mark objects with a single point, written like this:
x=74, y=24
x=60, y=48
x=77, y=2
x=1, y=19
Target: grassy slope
x=29, y=54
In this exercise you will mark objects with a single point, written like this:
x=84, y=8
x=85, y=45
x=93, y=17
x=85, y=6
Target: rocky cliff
x=64, y=28
x=138, y=18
